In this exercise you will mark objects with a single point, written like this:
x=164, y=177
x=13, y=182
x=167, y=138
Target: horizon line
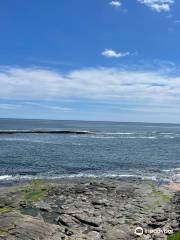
x=81, y=120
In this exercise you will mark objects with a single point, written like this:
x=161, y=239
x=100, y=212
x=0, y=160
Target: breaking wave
x=151, y=177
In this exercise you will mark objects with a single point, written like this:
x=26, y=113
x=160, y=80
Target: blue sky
x=92, y=60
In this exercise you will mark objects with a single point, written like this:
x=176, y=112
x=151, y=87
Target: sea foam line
x=80, y=175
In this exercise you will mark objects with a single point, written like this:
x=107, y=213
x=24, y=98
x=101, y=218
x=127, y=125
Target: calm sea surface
x=104, y=149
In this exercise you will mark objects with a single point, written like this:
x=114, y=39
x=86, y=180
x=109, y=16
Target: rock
x=68, y=232
x=117, y=234
x=39, y=216
x=159, y=218
x=61, y=221
x=175, y=224
x=83, y=199
x=94, y=235
x=155, y=225
x=101, y=202
x=89, y=221
x=43, y=206
x=67, y=221
x=108, y=210
x=18, y=226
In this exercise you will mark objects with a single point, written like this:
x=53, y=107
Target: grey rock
x=107, y=209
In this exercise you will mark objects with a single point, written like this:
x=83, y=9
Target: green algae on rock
x=175, y=236
x=4, y=210
x=35, y=192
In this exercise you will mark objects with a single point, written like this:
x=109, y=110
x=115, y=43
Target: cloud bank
x=5, y=106
x=99, y=84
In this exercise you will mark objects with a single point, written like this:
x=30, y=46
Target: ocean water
x=46, y=149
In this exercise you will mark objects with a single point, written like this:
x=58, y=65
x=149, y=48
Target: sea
x=56, y=149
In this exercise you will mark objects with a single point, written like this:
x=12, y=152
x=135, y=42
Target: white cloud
x=177, y=21
x=57, y=108
x=109, y=53
x=115, y=4
x=158, y=5
x=99, y=84
x=5, y=106
x=52, y=107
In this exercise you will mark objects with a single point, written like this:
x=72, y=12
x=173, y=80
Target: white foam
x=124, y=137
x=173, y=174
x=171, y=170
x=5, y=177
x=79, y=175
x=17, y=177
x=167, y=133
x=116, y=133
x=176, y=178
x=105, y=137
x=144, y=137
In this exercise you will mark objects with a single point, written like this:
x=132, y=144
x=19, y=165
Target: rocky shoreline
x=92, y=209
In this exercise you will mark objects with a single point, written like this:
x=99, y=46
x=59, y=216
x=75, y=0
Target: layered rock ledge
x=91, y=210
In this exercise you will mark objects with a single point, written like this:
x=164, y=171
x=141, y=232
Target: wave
x=166, y=133
x=173, y=173
x=124, y=137
x=175, y=178
x=93, y=134
x=78, y=175
x=116, y=133
x=5, y=177
x=172, y=170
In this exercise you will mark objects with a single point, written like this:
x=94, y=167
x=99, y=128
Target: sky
x=90, y=60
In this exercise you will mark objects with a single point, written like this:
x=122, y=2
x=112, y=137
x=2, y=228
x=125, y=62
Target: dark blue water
x=105, y=149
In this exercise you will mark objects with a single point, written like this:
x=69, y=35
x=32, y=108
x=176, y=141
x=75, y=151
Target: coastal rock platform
x=89, y=210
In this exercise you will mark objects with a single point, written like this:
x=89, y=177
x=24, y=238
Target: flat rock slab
x=107, y=209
